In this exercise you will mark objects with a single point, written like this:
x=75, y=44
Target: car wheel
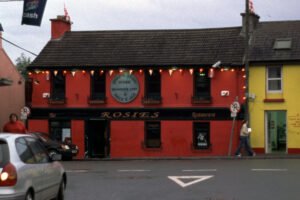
x=29, y=196
x=61, y=191
x=52, y=152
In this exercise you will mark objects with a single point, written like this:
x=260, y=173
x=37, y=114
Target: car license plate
x=74, y=151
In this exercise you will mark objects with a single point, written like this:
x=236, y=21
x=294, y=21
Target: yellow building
x=274, y=92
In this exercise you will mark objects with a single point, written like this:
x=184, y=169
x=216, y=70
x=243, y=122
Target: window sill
x=57, y=101
x=144, y=147
x=151, y=101
x=96, y=101
x=209, y=150
x=200, y=100
x=273, y=100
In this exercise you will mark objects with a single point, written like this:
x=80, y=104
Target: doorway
x=276, y=140
x=96, y=139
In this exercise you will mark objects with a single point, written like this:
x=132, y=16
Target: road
x=232, y=179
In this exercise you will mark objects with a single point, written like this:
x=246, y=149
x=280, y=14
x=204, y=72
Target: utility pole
x=247, y=61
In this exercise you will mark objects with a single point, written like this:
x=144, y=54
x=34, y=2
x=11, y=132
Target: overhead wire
x=18, y=46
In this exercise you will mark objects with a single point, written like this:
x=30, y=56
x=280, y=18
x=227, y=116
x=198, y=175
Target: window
x=24, y=152
x=274, y=79
x=60, y=129
x=152, y=86
x=284, y=43
x=201, y=135
x=38, y=151
x=58, y=86
x=98, y=86
x=152, y=135
x=201, y=87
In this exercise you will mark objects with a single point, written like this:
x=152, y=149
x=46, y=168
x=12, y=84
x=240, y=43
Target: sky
x=133, y=15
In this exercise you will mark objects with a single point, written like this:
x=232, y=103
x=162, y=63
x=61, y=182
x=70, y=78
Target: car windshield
x=4, y=155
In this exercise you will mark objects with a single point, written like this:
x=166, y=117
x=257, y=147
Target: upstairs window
x=58, y=85
x=201, y=87
x=98, y=85
x=152, y=87
x=274, y=79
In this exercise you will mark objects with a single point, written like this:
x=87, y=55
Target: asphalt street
x=236, y=179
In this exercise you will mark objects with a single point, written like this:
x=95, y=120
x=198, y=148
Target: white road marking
x=133, y=170
x=199, y=170
x=273, y=170
x=196, y=179
x=77, y=171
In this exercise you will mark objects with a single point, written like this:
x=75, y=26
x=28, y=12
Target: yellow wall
x=291, y=104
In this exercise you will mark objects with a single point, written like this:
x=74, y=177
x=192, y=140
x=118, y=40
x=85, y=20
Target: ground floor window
x=152, y=135
x=201, y=135
x=60, y=129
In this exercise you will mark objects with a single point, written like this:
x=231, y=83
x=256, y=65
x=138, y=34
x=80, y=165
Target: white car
x=26, y=170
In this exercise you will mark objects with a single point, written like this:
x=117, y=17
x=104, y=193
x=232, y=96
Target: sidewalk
x=259, y=156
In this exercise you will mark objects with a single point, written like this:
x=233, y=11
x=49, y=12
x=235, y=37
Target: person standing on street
x=244, y=140
x=14, y=125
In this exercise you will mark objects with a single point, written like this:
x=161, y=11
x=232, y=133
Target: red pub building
x=139, y=93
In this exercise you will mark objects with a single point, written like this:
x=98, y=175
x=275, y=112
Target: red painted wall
x=176, y=90
x=38, y=125
x=77, y=134
x=127, y=139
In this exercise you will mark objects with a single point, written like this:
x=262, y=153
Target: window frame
x=198, y=96
x=62, y=124
x=149, y=82
x=54, y=95
x=146, y=137
x=274, y=79
x=97, y=75
x=206, y=125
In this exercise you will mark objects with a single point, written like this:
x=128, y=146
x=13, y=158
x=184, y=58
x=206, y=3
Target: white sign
x=224, y=93
x=195, y=179
x=124, y=88
x=25, y=110
x=235, y=107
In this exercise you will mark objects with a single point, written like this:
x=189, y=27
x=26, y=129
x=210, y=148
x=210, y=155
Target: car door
x=31, y=173
x=51, y=174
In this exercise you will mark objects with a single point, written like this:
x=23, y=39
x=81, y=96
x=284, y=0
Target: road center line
x=199, y=170
x=272, y=170
x=133, y=170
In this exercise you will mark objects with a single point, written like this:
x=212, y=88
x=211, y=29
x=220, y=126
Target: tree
x=21, y=64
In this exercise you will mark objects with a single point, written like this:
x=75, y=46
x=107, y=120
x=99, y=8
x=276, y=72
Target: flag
x=67, y=14
x=251, y=8
x=33, y=11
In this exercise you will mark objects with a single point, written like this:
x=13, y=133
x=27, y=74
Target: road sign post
x=234, y=108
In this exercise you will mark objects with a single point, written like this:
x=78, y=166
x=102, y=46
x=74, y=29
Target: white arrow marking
x=177, y=180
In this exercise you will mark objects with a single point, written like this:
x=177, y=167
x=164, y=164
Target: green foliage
x=21, y=64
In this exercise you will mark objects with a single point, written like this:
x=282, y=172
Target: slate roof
x=143, y=48
x=264, y=38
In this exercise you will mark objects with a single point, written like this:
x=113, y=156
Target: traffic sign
x=25, y=111
x=235, y=107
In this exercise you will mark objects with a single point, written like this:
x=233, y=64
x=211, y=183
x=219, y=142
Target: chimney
x=253, y=21
x=59, y=26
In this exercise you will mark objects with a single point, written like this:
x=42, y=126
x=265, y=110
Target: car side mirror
x=56, y=157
